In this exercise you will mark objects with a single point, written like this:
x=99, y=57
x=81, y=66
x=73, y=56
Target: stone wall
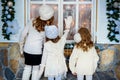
x=11, y=63
x=109, y=64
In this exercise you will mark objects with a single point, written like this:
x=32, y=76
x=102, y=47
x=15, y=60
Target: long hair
x=53, y=40
x=86, y=41
x=40, y=24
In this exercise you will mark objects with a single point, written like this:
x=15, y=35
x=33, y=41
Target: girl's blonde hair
x=40, y=24
x=86, y=41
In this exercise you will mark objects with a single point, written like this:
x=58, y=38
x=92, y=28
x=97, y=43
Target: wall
x=19, y=16
x=102, y=22
x=11, y=62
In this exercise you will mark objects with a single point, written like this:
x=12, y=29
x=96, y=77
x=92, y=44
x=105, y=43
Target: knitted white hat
x=51, y=32
x=77, y=38
x=46, y=12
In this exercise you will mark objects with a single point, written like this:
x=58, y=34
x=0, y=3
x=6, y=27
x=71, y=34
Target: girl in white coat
x=84, y=58
x=53, y=61
x=33, y=35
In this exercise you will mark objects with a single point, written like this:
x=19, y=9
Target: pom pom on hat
x=51, y=32
x=77, y=38
x=46, y=12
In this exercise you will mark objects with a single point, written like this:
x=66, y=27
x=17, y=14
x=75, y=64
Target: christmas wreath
x=113, y=16
x=10, y=25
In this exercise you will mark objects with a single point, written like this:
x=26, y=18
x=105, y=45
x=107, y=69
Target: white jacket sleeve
x=23, y=36
x=25, y=31
x=62, y=41
x=73, y=60
x=68, y=22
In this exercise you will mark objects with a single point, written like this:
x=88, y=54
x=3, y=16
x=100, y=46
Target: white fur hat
x=51, y=32
x=46, y=12
x=77, y=38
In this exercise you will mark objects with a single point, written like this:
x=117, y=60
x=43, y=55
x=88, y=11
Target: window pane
x=34, y=12
x=70, y=10
x=85, y=16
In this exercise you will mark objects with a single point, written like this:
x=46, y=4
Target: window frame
x=60, y=4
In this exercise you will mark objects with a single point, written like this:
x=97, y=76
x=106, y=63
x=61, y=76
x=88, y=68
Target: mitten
x=68, y=22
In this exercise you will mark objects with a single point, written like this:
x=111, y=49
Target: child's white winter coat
x=83, y=63
x=53, y=57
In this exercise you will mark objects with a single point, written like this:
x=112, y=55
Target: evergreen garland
x=8, y=14
x=113, y=15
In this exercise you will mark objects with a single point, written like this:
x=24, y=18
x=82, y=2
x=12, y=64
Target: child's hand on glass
x=68, y=22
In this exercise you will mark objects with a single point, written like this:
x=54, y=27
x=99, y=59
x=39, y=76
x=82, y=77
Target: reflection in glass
x=70, y=10
x=85, y=0
x=85, y=16
x=34, y=12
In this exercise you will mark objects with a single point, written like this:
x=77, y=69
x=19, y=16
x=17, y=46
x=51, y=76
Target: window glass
x=85, y=16
x=70, y=10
